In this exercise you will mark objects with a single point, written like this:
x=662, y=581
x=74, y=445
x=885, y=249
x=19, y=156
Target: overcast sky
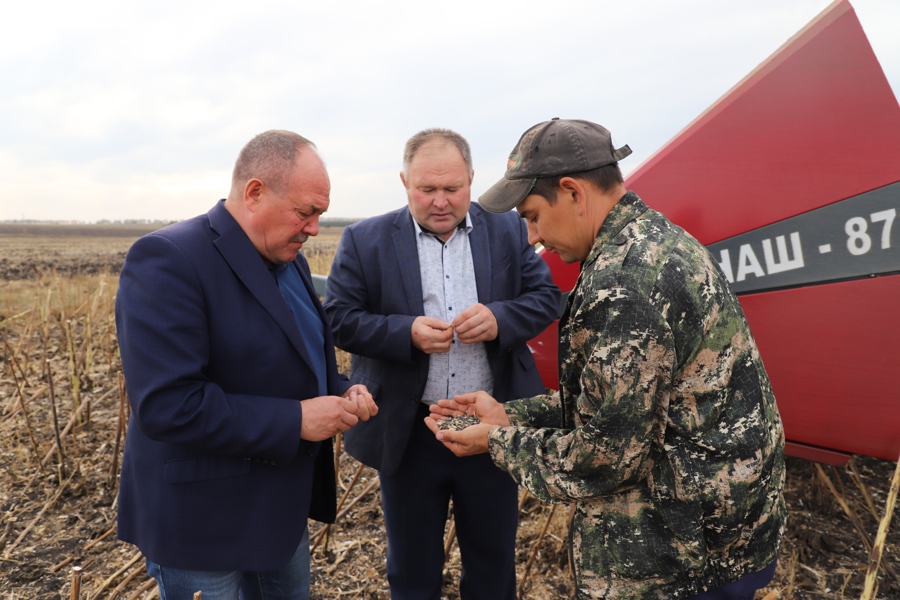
x=137, y=110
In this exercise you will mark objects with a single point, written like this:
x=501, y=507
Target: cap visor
x=505, y=195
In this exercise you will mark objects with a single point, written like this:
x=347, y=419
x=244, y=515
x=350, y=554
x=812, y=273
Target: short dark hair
x=604, y=177
x=436, y=133
x=270, y=157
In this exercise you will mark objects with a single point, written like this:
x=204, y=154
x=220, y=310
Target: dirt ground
x=57, y=510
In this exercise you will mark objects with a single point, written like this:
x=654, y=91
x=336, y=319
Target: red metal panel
x=564, y=274
x=833, y=355
x=822, y=455
x=545, y=347
x=815, y=123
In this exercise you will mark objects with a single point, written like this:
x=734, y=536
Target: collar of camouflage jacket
x=627, y=209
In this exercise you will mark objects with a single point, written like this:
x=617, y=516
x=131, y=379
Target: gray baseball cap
x=554, y=147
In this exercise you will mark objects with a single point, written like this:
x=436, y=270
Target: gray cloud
x=111, y=111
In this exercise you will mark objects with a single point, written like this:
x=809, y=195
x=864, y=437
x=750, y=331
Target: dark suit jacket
x=374, y=293
x=215, y=476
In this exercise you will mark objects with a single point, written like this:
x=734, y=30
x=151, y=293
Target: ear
x=574, y=189
x=403, y=178
x=253, y=191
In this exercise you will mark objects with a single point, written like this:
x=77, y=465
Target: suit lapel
x=237, y=250
x=480, y=245
x=404, y=239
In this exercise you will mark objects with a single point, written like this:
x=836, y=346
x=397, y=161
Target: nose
x=533, y=236
x=441, y=200
x=312, y=226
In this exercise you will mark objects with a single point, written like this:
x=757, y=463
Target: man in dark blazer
x=432, y=300
x=235, y=395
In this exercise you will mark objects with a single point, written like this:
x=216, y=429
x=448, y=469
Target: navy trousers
x=415, y=501
x=743, y=589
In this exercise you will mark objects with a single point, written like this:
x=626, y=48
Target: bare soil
x=57, y=512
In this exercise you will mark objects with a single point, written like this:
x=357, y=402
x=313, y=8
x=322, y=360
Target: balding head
x=269, y=157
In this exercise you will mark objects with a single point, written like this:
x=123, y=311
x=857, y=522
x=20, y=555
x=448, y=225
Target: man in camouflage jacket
x=665, y=432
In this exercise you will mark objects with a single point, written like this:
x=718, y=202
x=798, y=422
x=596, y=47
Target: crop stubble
x=58, y=511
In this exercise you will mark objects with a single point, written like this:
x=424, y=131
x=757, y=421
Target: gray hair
x=270, y=157
x=436, y=133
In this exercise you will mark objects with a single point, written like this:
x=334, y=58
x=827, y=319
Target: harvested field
x=62, y=407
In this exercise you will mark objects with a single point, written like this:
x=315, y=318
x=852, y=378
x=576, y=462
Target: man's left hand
x=475, y=324
x=469, y=441
x=365, y=404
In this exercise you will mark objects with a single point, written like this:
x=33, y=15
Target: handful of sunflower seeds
x=458, y=423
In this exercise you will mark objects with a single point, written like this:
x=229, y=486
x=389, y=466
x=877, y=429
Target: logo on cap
x=513, y=161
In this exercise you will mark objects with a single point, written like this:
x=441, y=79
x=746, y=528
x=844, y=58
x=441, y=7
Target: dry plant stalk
x=45, y=314
x=534, y=551
x=15, y=410
x=59, y=447
x=88, y=324
x=150, y=583
x=134, y=559
x=128, y=579
x=73, y=371
x=881, y=536
x=120, y=427
x=857, y=524
x=44, y=509
x=338, y=439
x=448, y=543
x=76, y=583
x=14, y=364
x=867, y=495
x=6, y=533
x=105, y=535
x=22, y=338
x=324, y=531
x=34, y=445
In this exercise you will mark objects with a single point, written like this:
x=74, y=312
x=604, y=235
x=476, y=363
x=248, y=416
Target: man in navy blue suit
x=232, y=379
x=436, y=299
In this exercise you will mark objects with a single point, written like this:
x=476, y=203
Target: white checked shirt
x=448, y=288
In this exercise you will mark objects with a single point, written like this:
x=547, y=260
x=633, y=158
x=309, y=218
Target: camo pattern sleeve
x=670, y=444
x=616, y=378
x=540, y=411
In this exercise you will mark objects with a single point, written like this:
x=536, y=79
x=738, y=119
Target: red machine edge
x=812, y=129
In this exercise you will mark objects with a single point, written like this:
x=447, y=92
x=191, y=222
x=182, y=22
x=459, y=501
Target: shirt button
x=620, y=240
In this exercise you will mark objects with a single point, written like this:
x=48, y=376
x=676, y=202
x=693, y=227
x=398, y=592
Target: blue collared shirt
x=448, y=288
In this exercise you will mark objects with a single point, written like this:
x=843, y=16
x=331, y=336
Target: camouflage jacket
x=665, y=432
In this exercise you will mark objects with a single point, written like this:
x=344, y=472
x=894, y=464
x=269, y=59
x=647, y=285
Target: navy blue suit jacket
x=374, y=293
x=215, y=476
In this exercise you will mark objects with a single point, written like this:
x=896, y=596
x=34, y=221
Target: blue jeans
x=290, y=582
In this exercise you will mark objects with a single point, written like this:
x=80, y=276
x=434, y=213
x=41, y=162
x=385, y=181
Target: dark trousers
x=415, y=501
x=742, y=589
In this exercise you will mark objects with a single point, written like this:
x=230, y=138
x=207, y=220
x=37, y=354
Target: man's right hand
x=481, y=404
x=431, y=335
x=325, y=416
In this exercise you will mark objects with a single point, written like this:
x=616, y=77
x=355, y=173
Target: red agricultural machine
x=792, y=180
